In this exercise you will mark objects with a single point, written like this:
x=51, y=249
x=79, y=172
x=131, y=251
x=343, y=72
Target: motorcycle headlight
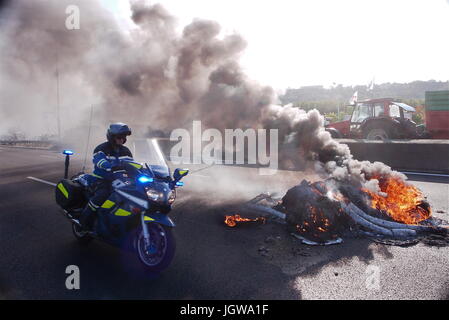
x=153, y=195
x=171, y=197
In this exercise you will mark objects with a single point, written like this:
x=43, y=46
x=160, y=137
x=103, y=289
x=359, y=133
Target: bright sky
x=293, y=43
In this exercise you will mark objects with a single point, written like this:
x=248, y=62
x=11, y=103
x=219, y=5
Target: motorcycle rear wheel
x=161, y=251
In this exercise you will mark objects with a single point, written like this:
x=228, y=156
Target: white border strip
x=426, y=174
x=42, y=181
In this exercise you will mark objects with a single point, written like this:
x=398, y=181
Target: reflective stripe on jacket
x=106, y=157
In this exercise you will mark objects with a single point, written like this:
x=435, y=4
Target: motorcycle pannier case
x=69, y=194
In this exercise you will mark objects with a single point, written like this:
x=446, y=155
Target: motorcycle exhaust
x=71, y=218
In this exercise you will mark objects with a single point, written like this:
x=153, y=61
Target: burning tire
x=321, y=213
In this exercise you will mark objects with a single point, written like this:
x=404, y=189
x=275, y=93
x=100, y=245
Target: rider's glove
x=104, y=164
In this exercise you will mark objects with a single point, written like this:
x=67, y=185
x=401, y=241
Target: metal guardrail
x=28, y=143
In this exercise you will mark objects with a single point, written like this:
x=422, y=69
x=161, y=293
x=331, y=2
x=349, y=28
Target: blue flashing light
x=144, y=179
x=68, y=152
x=179, y=184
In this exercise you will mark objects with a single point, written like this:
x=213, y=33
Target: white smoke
x=150, y=76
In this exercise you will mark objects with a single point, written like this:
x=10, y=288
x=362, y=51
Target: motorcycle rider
x=107, y=158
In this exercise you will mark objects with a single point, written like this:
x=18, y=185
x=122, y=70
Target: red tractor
x=377, y=119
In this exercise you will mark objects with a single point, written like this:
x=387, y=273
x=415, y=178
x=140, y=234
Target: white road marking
x=42, y=181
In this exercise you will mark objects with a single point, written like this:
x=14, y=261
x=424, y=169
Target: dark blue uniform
x=106, y=157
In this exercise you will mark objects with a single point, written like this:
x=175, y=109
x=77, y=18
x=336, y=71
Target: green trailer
x=437, y=114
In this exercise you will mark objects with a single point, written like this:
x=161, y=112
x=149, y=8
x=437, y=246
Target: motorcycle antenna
x=88, y=137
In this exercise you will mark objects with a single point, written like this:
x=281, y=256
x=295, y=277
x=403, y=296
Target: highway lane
x=37, y=246
x=212, y=261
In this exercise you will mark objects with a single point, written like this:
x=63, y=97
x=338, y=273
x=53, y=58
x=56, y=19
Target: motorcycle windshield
x=148, y=151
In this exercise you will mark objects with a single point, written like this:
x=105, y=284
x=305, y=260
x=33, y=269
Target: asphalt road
x=212, y=261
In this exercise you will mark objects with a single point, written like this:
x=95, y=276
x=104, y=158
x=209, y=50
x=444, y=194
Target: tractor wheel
x=378, y=134
x=334, y=133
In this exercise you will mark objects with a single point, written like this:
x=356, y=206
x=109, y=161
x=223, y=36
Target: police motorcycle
x=135, y=216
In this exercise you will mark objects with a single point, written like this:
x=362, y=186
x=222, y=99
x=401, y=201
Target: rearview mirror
x=180, y=173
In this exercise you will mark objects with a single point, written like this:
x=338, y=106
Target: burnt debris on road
x=322, y=212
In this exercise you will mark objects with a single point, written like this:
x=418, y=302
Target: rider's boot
x=88, y=216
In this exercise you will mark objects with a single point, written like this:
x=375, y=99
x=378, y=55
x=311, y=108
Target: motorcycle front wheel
x=158, y=255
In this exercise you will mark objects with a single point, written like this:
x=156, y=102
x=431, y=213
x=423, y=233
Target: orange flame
x=402, y=201
x=316, y=222
x=231, y=221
